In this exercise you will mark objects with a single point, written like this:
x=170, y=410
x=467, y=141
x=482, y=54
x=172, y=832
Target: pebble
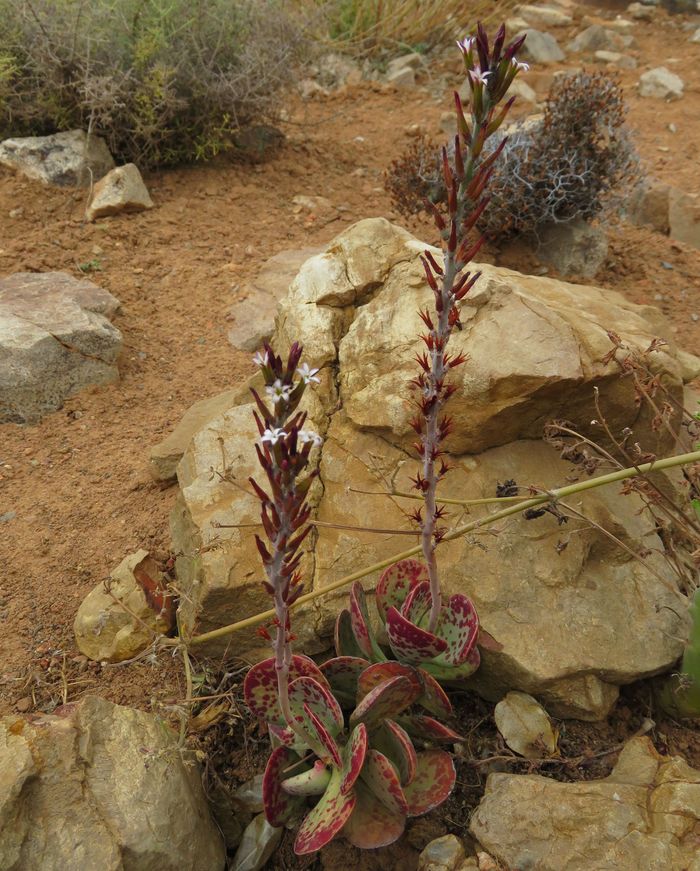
x=666, y=265
x=23, y=705
x=8, y=516
x=695, y=317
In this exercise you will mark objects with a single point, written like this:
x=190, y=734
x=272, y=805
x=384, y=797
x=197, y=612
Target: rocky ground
x=76, y=494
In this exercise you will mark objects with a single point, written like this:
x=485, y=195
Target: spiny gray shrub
x=163, y=81
x=578, y=161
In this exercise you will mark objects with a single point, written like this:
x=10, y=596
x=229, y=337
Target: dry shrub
x=163, y=81
x=577, y=162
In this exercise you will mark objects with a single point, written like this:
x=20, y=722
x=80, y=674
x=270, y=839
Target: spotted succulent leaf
x=345, y=641
x=410, y=643
x=379, y=672
x=354, y=754
x=314, y=781
x=387, y=699
x=393, y=741
x=342, y=673
x=279, y=805
x=308, y=692
x=361, y=625
x=319, y=738
x=371, y=824
x=383, y=780
x=453, y=673
x=433, y=783
x=459, y=627
x=326, y=819
x=423, y=728
x=434, y=698
x=396, y=582
x=260, y=685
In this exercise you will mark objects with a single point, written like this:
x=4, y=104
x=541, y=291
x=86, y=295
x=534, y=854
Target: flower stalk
x=283, y=453
x=490, y=72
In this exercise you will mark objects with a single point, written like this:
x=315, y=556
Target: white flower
x=308, y=375
x=278, y=391
x=520, y=64
x=308, y=435
x=260, y=359
x=273, y=435
x=479, y=76
x=466, y=44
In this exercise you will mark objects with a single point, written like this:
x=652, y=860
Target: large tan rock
x=55, y=339
x=574, y=622
x=121, y=190
x=644, y=815
x=68, y=159
x=99, y=786
x=117, y=622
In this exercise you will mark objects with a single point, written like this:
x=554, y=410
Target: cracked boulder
x=69, y=159
x=644, y=815
x=97, y=785
x=55, y=339
x=576, y=615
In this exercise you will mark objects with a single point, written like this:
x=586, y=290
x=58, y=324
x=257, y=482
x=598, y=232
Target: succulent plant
x=403, y=602
x=364, y=779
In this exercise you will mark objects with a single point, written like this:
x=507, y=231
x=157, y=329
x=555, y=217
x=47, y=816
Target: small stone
x=405, y=77
x=23, y=705
x=621, y=25
x=525, y=726
x=522, y=91
x=513, y=25
x=622, y=61
x=259, y=842
x=413, y=61
x=684, y=217
x=8, y=516
x=696, y=36
x=574, y=248
x=121, y=190
x=442, y=854
x=640, y=12
x=541, y=48
x=661, y=84
x=695, y=317
x=595, y=38
x=16, y=213
x=545, y=16
x=249, y=796
x=649, y=205
x=666, y=264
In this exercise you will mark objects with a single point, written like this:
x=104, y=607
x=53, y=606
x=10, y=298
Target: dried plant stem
x=569, y=490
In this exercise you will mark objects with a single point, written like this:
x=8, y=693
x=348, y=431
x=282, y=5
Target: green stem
x=569, y=490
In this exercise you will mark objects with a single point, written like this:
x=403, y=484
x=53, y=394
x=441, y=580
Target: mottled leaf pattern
x=434, y=698
x=393, y=741
x=307, y=691
x=371, y=824
x=375, y=674
x=387, y=699
x=312, y=782
x=434, y=781
x=428, y=729
x=279, y=805
x=453, y=673
x=382, y=779
x=354, y=754
x=459, y=626
x=260, y=685
x=342, y=674
x=396, y=582
x=326, y=819
x=416, y=607
x=320, y=739
x=410, y=643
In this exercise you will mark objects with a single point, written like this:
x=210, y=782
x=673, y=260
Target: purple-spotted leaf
x=387, y=699
x=381, y=778
x=361, y=626
x=354, y=754
x=319, y=738
x=371, y=824
x=393, y=741
x=396, y=582
x=319, y=699
x=410, y=643
x=375, y=674
x=454, y=673
x=312, y=782
x=417, y=604
x=434, y=781
x=342, y=674
x=434, y=698
x=327, y=818
x=345, y=642
x=428, y=729
x=459, y=627
x=260, y=685
x=279, y=805
x=280, y=736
